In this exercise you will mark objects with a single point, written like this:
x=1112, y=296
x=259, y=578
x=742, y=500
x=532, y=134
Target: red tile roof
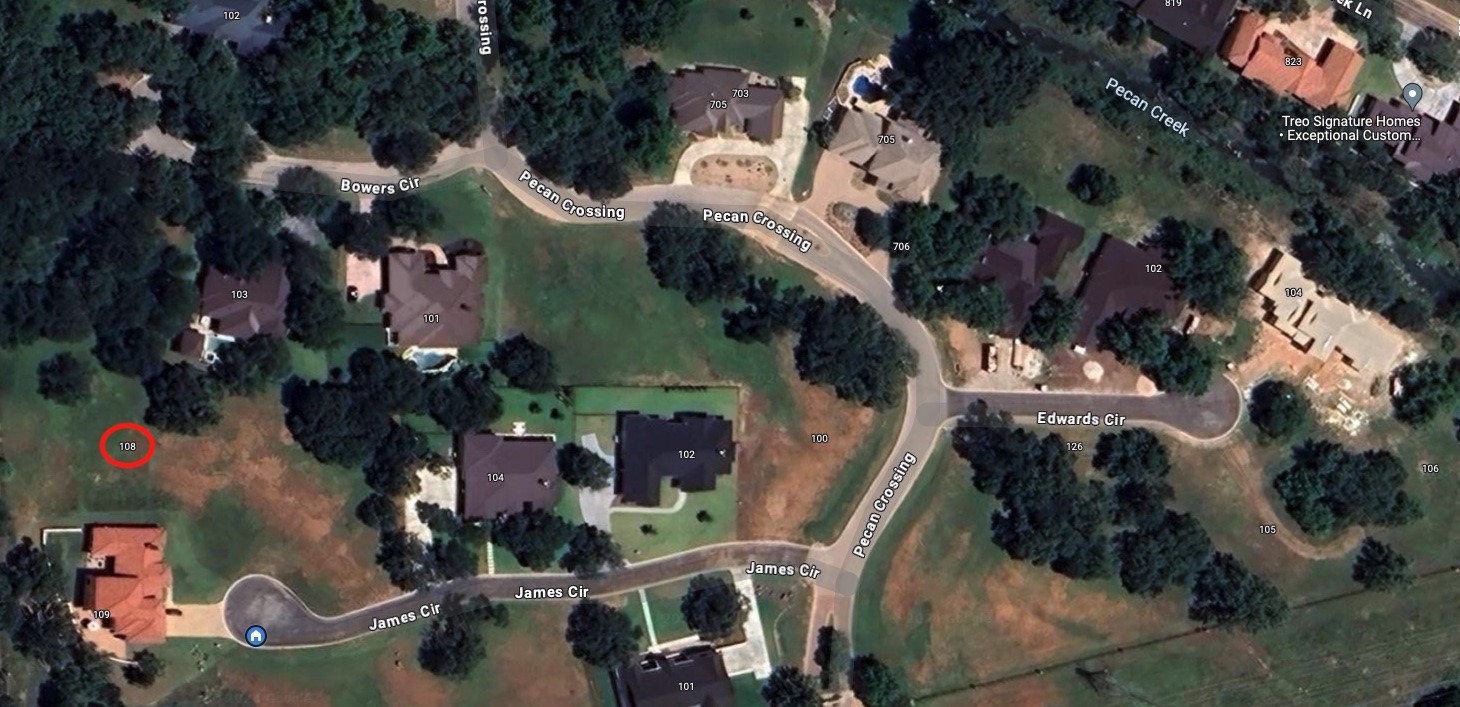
x=133, y=583
x=1267, y=58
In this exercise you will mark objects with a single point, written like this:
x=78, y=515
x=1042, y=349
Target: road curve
x=264, y=601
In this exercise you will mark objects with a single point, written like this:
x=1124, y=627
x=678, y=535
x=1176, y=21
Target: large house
x=1435, y=148
x=232, y=309
x=690, y=677
x=431, y=298
x=1121, y=277
x=125, y=584
x=1322, y=325
x=1021, y=268
x=501, y=475
x=690, y=449
x=1199, y=24
x=714, y=100
x=248, y=25
x=1269, y=58
x=894, y=154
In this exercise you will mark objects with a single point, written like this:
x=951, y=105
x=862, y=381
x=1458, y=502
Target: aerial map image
x=727, y=353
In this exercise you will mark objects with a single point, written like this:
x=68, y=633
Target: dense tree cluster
x=533, y=536
x=591, y=550
x=1094, y=185
x=144, y=669
x=1278, y=409
x=1052, y=320
x=404, y=83
x=601, y=635
x=1337, y=257
x=463, y=400
x=833, y=656
x=1162, y=552
x=1178, y=363
x=64, y=379
x=525, y=363
x=181, y=399
x=1436, y=53
x=1380, y=33
x=1226, y=593
x=940, y=78
x=713, y=607
x=452, y=645
x=250, y=366
x=1428, y=214
x=315, y=309
x=789, y=687
x=1380, y=567
x=701, y=260
x=769, y=310
x=579, y=116
x=582, y=467
x=1288, y=10
x=844, y=344
x=1207, y=265
x=877, y=685
x=1424, y=389
x=1328, y=488
x=1137, y=463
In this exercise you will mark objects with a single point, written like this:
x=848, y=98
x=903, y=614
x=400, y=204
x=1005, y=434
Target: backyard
x=771, y=37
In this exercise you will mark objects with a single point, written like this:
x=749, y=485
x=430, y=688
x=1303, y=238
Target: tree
x=590, y=550
x=1166, y=553
x=1435, y=53
x=1288, y=10
x=769, y=311
x=533, y=536
x=938, y=78
x=1381, y=32
x=403, y=559
x=1093, y=185
x=144, y=669
x=64, y=379
x=713, y=607
x=789, y=687
x=410, y=215
x=832, y=656
x=1138, y=463
x=1424, y=389
x=1178, y=363
x=877, y=685
x=1328, y=488
x=463, y=400
x=1082, y=15
x=601, y=635
x=526, y=364
x=249, y=366
x=365, y=235
x=180, y=399
x=583, y=468
x=1051, y=322
x=1207, y=265
x=703, y=261
x=378, y=511
x=315, y=310
x=1447, y=695
x=397, y=454
x=452, y=644
x=305, y=192
x=332, y=423
x=843, y=343
x=1335, y=256
x=1225, y=593
x=1278, y=409
x=1379, y=567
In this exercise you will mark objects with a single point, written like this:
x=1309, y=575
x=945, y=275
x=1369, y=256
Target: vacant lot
x=760, y=35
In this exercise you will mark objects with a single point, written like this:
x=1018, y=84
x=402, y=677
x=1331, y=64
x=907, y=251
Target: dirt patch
x=267, y=692
x=244, y=451
x=402, y=682
x=1249, y=475
x=1067, y=371
x=783, y=475
x=519, y=662
x=737, y=171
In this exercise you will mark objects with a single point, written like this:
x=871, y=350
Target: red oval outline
x=151, y=445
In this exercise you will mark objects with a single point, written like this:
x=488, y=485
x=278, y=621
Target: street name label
x=574, y=591
x=759, y=218
x=349, y=186
x=1088, y=419
x=567, y=205
x=1156, y=112
x=426, y=610
x=883, y=502
x=802, y=570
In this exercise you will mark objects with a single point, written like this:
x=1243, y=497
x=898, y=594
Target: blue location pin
x=255, y=636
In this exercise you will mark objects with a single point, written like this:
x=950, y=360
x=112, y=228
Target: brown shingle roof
x=243, y=308
x=1198, y=23
x=1118, y=279
x=497, y=475
x=1436, y=147
x=430, y=304
x=757, y=113
x=1020, y=268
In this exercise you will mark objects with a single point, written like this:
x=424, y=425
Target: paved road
x=929, y=404
x=264, y=601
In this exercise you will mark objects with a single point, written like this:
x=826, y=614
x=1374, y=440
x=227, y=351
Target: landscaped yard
x=680, y=530
x=760, y=35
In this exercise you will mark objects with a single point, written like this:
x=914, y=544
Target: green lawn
x=605, y=400
x=769, y=42
x=785, y=614
x=517, y=406
x=747, y=690
x=680, y=530
x=1376, y=78
x=837, y=504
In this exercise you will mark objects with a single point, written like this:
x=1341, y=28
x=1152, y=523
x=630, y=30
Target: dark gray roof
x=242, y=308
x=757, y=113
x=1020, y=268
x=691, y=449
x=497, y=475
x=1200, y=24
x=249, y=33
x=1435, y=148
x=656, y=680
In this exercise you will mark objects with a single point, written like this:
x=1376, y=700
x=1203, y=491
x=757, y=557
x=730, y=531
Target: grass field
x=609, y=400
x=664, y=601
x=679, y=530
x=517, y=406
x=769, y=42
x=837, y=504
x=1376, y=78
x=785, y=614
